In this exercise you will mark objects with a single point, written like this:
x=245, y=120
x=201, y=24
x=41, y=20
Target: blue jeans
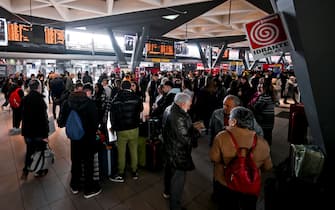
x=177, y=187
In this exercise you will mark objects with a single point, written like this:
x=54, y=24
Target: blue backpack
x=74, y=128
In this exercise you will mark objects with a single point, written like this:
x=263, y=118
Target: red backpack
x=15, y=98
x=241, y=173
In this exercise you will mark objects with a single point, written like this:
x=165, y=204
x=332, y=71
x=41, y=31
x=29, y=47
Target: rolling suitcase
x=154, y=155
x=297, y=130
x=108, y=161
x=154, y=128
x=153, y=146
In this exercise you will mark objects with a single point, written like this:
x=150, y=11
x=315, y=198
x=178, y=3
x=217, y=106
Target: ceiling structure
x=196, y=19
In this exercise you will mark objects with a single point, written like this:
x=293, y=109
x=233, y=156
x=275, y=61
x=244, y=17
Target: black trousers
x=17, y=117
x=268, y=135
x=82, y=158
x=232, y=200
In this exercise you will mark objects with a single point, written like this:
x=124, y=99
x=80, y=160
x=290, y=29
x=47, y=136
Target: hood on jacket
x=78, y=100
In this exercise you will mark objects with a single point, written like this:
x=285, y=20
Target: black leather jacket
x=178, y=134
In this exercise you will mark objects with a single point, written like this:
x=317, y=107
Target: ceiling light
x=170, y=17
x=81, y=28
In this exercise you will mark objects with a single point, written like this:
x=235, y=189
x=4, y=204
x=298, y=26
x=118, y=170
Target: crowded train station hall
x=166, y=105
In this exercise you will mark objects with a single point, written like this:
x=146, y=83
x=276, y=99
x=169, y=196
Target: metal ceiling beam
x=137, y=57
x=219, y=58
x=119, y=54
x=264, y=5
x=202, y=55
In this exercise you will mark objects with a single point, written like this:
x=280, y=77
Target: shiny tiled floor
x=52, y=191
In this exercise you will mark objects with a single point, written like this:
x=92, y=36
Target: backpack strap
x=233, y=140
x=254, y=142
x=237, y=146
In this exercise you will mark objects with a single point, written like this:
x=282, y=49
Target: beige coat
x=223, y=148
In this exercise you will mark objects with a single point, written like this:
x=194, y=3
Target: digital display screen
x=19, y=32
x=54, y=36
x=35, y=38
x=160, y=49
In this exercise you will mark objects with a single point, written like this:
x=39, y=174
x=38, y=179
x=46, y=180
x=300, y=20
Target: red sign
x=266, y=31
x=279, y=66
x=267, y=36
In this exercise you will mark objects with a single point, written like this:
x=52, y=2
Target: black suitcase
x=154, y=128
x=153, y=157
x=108, y=157
x=297, y=130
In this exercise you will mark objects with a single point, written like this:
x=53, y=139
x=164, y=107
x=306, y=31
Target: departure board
x=19, y=32
x=157, y=48
x=54, y=36
x=35, y=38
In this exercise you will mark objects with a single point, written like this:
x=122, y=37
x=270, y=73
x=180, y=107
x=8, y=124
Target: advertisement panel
x=3, y=32
x=267, y=37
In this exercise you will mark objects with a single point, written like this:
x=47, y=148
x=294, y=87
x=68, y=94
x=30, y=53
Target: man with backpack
x=238, y=154
x=79, y=116
x=15, y=97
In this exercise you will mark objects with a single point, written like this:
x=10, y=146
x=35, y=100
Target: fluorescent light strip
x=170, y=17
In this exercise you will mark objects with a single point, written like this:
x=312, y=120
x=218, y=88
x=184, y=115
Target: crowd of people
x=185, y=104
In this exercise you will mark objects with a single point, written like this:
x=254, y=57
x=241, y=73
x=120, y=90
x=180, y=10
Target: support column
x=253, y=65
x=308, y=23
x=119, y=54
x=281, y=58
x=202, y=55
x=219, y=58
x=210, y=56
x=137, y=55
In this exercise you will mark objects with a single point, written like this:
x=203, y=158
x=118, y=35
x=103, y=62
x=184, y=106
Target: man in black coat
x=35, y=125
x=125, y=111
x=83, y=150
x=179, y=136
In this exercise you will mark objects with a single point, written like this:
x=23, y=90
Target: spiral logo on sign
x=264, y=34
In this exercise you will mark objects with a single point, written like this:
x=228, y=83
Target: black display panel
x=159, y=49
x=23, y=37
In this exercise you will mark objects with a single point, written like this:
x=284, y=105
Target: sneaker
x=92, y=193
x=165, y=196
x=135, y=175
x=117, y=178
x=41, y=173
x=74, y=190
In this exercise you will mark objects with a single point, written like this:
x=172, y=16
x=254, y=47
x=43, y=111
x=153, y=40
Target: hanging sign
x=267, y=37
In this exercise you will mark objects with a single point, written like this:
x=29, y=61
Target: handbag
x=306, y=162
x=41, y=160
x=112, y=136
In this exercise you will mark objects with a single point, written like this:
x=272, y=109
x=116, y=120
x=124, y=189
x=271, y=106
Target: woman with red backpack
x=238, y=155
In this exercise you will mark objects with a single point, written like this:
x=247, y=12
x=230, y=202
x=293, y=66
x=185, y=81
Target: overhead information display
x=35, y=38
x=158, y=48
x=19, y=32
x=54, y=36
